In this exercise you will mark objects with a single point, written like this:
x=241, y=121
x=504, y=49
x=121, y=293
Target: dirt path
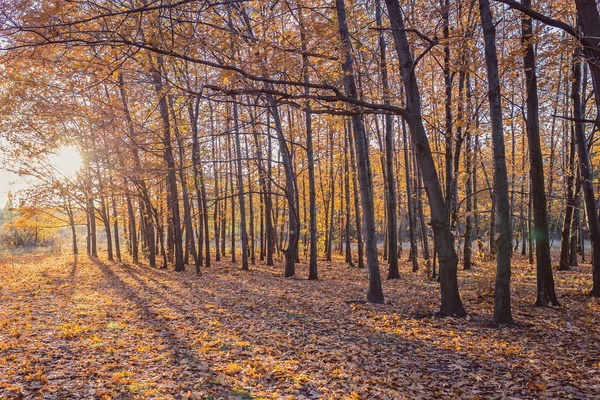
x=93, y=329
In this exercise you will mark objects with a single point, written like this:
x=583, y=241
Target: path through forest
x=91, y=329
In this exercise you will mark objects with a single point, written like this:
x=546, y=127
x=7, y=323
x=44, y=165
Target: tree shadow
x=294, y=321
x=181, y=356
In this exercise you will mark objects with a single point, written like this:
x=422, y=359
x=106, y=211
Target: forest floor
x=96, y=329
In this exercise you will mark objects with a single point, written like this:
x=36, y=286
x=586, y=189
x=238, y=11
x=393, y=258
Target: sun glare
x=67, y=161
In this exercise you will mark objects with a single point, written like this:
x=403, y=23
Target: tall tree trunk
x=187, y=212
x=312, y=208
x=240, y=181
x=552, y=147
x=199, y=186
x=422, y=224
x=375, y=293
x=445, y=5
x=146, y=222
x=105, y=213
x=451, y=302
x=91, y=210
x=502, y=311
x=530, y=225
x=468, y=247
x=73, y=228
x=216, y=226
x=575, y=224
x=357, y=214
x=413, y=254
x=329, y=237
x=170, y=160
x=570, y=204
x=290, y=191
x=589, y=19
x=476, y=217
x=266, y=201
x=270, y=226
x=347, y=144
x=233, y=196
x=392, y=223
x=586, y=173
x=251, y=242
x=545, y=282
x=116, y=225
x=132, y=230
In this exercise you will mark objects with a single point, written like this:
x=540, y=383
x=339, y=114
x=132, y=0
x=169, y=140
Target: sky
x=10, y=182
x=67, y=162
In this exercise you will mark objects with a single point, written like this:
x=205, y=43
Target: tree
x=545, y=282
x=375, y=293
x=451, y=302
x=502, y=310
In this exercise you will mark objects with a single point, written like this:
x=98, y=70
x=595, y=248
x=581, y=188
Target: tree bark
x=468, y=238
x=358, y=217
x=347, y=144
x=145, y=212
x=451, y=302
x=502, y=310
x=392, y=223
x=413, y=253
x=586, y=173
x=240, y=182
x=312, y=208
x=290, y=191
x=545, y=282
x=170, y=160
x=187, y=212
x=375, y=293
x=132, y=230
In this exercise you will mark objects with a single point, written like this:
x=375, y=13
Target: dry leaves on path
x=93, y=329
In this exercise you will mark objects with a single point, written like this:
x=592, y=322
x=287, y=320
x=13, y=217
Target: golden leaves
x=130, y=331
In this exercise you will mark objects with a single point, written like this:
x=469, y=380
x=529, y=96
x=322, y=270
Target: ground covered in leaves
x=94, y=329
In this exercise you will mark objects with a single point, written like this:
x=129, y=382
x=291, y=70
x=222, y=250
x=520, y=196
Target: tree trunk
x=106, y=221
x=73, y=229
x=240, y=181
x=413, y=254
x=329, y=238
x=312, y=208
x=116, y=227
x=133, y=242
x=270, y=226
x=589, y=19
x=468, y=238
x=290, y=191
x=187, y=212
x=445, y=5
x=545, y=281
x=451, y=302
x=92, y=230
x=145, y=212
x=216, y=212
x=170, y=160
x=232, y=202
x=358, y=217
x=199, y=186
x=566, y=231
x=392, y=223
x=375, y=293
x=502, y=310
x=251, y=242
x=586, y=173
x=347, y=144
